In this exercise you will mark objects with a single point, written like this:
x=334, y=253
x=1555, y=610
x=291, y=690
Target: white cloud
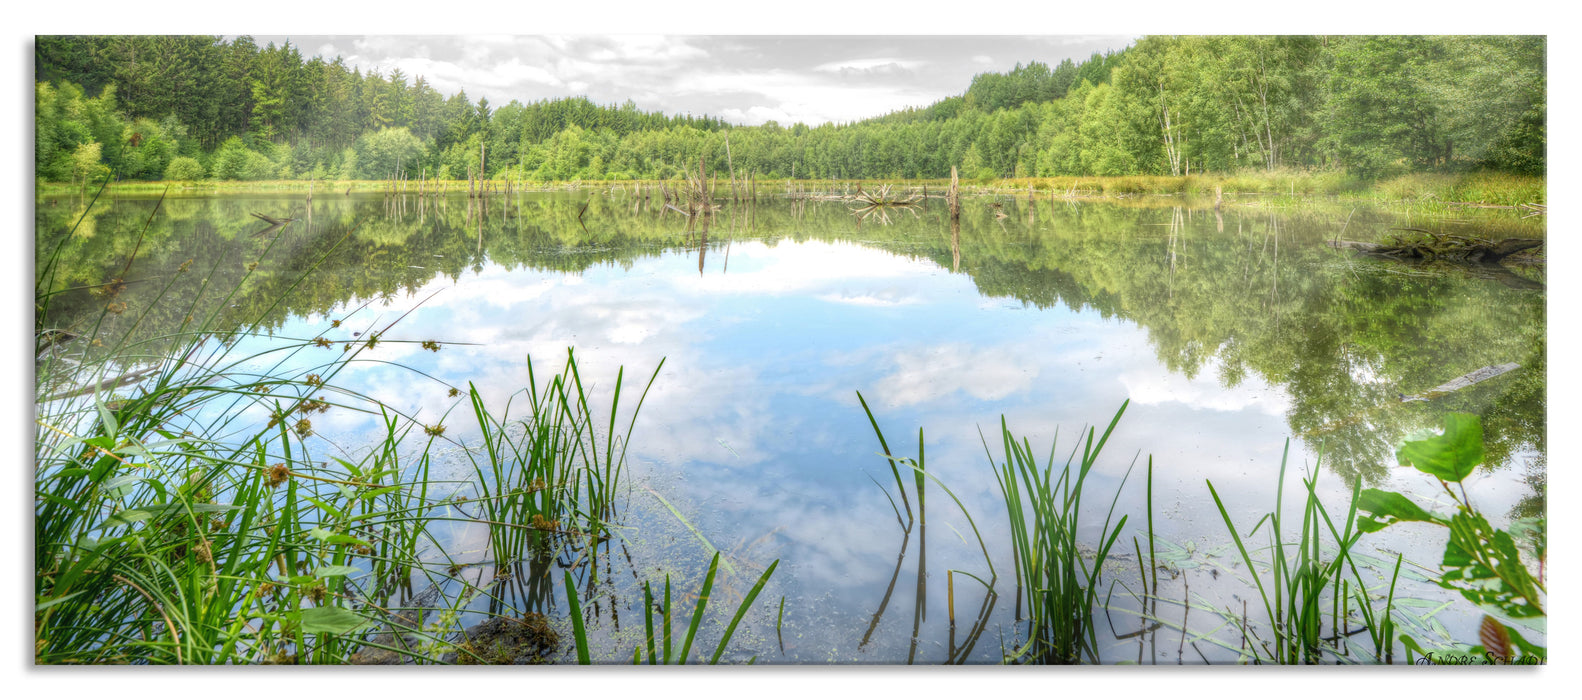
x=1158, y=386
x=743, y=79
x=929, y=374
x=871, y=65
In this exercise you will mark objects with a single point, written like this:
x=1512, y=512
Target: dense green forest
x=200, y=107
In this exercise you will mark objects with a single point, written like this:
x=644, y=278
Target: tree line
x=196, y=107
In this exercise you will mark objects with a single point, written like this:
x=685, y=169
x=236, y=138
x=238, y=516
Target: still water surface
x=1229, y=334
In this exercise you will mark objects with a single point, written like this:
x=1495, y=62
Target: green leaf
x=56, y=601
x=329, y=570
x=1483, y=563
x=1384, y=508
x=371, y=495
x=332, y=510
x=134, y=515
x=1526, y=647
x=578, y=631
x=1450, y=456
x=121, y=480
x=344, y=539
x=111, y=427
x=331, y=621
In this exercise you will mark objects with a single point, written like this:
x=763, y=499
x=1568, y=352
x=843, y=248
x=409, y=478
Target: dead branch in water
x=883, y=198
x=1421, y=244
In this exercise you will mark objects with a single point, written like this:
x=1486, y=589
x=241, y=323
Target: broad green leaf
x=1450, y=456
x=1483, y=563
x=1381, y=509
x=329, y=570
x=331, y=620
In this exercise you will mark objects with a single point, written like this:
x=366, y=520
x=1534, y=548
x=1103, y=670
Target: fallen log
x=1443, y=247
x=1462, y=382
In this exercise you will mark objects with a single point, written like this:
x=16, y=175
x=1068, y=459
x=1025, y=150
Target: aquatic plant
x=1483, y=563
x=660, y=645
x=548, y=479
x=193, y=519
x=1053, y=573
x=1307, y=578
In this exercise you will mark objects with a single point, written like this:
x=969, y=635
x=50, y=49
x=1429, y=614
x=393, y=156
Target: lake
x=1232, y=337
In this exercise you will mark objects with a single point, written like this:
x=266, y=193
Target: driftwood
x=883, y=198
x=1439, y=246
x=1462, y=381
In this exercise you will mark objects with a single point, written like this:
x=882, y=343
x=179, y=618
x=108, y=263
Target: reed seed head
x=278, y=474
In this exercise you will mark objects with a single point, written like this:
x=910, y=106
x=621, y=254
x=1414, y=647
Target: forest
x=191, y=108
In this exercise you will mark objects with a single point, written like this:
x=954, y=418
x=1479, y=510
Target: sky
x=745, y=80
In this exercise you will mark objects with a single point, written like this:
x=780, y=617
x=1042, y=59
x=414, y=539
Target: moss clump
x=505, y=641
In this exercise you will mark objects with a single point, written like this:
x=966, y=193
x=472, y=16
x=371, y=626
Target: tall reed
x=195, y=517
x=1307, y=579
x=547, y=480
x=1052, y=571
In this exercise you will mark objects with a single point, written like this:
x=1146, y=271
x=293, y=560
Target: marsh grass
x=660, y=641
x=1053, y=574
x=553, y=478
x=1307, y=582
x=197, y=519
x=1476, y=187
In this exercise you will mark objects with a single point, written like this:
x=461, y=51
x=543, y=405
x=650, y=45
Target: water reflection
x=1228, y=330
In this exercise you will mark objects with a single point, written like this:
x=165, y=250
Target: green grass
x=661, y=644
x=1477, y=187
x=174, y=524
x=549, y=478
x=1053, y=575
x=1306, y=581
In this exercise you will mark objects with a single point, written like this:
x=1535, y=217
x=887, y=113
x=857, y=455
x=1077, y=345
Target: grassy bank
x=1471, y=188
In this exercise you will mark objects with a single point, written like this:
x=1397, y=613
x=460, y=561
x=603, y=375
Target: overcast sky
x=742, y=79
